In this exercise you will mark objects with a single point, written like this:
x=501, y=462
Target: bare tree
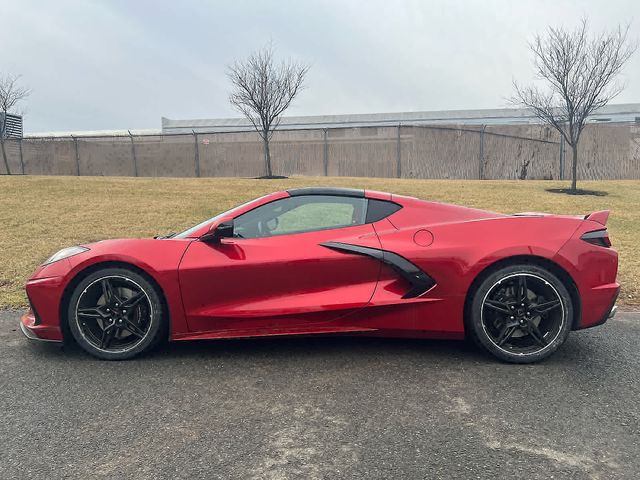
x=263, y=90
x=11, y=94
x=579, y=72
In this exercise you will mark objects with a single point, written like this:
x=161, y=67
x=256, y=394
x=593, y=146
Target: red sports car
x=335, y=261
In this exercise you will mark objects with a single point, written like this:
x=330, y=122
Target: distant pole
x=325, y=153
x=75, y=145
x=398, y=155
x=481, y=154
x=197, y=154
x=561, y=157
x=133, y=155
x=21, y=159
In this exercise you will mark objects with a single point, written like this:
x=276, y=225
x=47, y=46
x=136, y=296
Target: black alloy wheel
x=521, y=313
x=115, y=314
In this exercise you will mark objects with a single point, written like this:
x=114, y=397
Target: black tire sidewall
x=479, y=334
x=157, y=319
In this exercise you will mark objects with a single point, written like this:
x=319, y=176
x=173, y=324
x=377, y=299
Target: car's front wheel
x=116, y=314
x=521, y=313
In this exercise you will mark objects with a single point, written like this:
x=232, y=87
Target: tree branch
x=263, y=89
x=578, y=72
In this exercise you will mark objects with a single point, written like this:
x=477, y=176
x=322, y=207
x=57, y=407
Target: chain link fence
x=610, y=151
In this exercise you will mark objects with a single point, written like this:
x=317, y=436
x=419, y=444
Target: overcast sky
x=125, y=64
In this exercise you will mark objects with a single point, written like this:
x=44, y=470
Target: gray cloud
x=121, y=64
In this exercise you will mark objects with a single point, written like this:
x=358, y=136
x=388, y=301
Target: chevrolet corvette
x=316, y=261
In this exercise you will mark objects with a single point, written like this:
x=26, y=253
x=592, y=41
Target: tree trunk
x=4, y=156
x=267, y=156
x=574, y=167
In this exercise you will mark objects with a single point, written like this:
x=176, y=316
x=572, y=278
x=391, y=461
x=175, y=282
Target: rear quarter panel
x=460, y=251
x=594, y=270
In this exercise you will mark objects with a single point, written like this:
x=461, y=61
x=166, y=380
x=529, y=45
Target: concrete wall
x=610, y=151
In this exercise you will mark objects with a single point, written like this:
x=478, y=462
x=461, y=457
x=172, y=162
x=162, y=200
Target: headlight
x=65, y=253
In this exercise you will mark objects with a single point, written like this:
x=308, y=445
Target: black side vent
x=420, y=282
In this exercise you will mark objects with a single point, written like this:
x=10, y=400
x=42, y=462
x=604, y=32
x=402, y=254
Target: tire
x=520, y=313
x=116, y=314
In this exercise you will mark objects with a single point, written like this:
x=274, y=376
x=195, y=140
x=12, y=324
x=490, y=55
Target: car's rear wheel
x=116, y=314
x=521, y=313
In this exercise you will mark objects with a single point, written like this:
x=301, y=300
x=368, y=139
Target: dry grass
x=39, y=215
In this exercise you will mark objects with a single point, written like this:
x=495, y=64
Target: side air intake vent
x=420, y=282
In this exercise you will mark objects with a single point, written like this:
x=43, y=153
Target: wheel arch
x=543, y=262
x=68, y=291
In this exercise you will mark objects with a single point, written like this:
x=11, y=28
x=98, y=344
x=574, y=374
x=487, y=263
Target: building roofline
x=94, y=133
x=497, y=116
x=514, y=115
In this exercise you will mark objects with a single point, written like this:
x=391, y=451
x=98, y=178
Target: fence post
x=398, y=155
x=197, y=154
x=21, y=159
x=75, y=144
x=561, y=157
x=481, y=154
x=133, y=155
x=325, y=153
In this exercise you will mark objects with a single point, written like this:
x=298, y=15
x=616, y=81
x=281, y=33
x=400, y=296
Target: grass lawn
x=39, y=215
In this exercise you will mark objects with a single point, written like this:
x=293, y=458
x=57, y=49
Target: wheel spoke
x=108, y=291
x=537, y=335
x=505, y=334
x=546, y=306
x=497, y=306
x=134, y=329
x=92, y=312
x=107, y=336
x=522, y=288
x=133, y=301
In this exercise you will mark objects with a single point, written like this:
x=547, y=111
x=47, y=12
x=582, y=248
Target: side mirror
x=222, y=230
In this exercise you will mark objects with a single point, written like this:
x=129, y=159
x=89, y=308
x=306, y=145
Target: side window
x=300, y=214
x=379, y=209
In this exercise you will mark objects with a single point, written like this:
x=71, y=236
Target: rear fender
x=594, y=269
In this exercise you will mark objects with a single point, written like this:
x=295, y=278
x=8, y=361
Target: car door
x=275, y=274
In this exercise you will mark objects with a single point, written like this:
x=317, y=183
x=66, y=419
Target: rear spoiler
x=600, y=217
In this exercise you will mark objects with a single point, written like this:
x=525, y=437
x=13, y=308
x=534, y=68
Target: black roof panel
x=339, y=192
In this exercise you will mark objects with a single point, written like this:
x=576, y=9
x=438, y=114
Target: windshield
x=192, y=230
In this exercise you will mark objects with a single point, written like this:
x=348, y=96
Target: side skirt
x=210, y=335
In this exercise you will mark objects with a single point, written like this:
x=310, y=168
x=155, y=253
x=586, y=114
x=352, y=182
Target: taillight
x=597, y=237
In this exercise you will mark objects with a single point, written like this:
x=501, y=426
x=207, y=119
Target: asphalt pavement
x=326, y=408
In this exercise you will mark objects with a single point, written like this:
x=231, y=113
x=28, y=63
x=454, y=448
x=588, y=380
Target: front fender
x=157, y=258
